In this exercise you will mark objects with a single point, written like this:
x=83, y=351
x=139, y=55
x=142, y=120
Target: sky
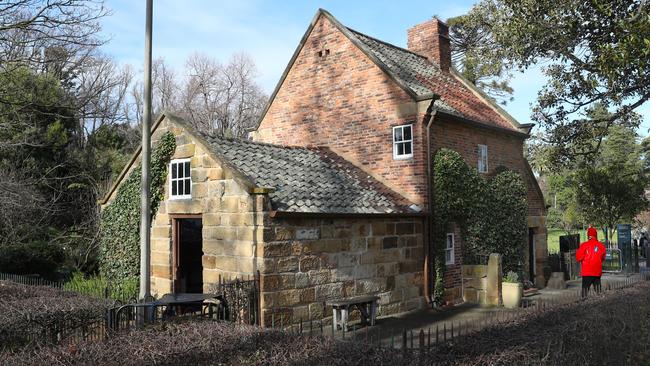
x=269, y=31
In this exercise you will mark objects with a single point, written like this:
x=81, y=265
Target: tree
x=607, y=196
x=594, y=52
x=476, y=56
x=48, y=34
x=218, y=99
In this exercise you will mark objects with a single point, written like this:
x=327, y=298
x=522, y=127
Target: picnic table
x=367, y=306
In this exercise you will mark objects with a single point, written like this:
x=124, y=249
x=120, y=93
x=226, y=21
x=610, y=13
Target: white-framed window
x=403, y=142
x=449, y=249
x=482, y=158
x=180, y=182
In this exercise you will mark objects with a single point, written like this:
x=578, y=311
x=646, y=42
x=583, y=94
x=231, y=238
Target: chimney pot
x=431, y=39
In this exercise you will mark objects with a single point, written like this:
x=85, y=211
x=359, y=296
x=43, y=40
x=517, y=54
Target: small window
x=482, y=159
x=180, y=184
x=449, y=249
x=403, y=142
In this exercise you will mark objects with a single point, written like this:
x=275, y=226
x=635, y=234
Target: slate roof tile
x=425, y=77
x=308, y=179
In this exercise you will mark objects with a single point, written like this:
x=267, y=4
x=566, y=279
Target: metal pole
x=145, y=210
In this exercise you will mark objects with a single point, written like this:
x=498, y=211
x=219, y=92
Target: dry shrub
x=209, y=343
x=39, y=314
x=611, y=329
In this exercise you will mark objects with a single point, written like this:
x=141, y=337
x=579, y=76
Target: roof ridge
x=259, y=143
x=389, y=44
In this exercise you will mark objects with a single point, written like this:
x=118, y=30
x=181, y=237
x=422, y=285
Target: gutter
x=293, y=214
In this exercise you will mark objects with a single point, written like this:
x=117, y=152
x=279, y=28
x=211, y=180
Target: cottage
x=331, y=198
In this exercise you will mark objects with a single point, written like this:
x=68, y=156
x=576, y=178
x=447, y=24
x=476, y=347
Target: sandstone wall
x=309, y=261
x=232, y=218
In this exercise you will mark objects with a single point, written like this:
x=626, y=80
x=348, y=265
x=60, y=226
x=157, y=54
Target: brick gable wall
x=344, y=101
x=503, y=150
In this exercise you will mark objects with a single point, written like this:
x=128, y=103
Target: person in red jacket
x=591, y=255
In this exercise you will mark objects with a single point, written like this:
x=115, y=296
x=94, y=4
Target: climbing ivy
x=491, y=213
x=120, y=221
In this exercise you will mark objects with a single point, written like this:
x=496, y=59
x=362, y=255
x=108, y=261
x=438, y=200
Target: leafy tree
x=607, y=196
x=593, y=52
x=476, y=56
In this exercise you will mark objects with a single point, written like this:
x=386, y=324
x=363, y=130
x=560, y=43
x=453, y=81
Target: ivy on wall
x=120, y=221
x=492, y=214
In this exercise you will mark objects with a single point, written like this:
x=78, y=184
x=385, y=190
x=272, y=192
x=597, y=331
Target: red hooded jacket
x=592, y=255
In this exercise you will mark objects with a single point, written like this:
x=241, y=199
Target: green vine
x=120, y=221
x=491, y=214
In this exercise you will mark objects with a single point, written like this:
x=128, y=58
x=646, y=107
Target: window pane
x=187, y=186
x=180, y=187
x=398, y=134
x=174, y=190
x=407, y=148
x=407, y=132
x=448, y=256
x=400, y=149
x=174, y=170
x=187, y=169
x=180, y=171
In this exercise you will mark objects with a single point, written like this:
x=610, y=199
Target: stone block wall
x=474, y=283
x=232, y=218
x=309, y=261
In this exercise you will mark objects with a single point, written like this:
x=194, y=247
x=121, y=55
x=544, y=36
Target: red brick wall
x=503, y=150
x=344, y=101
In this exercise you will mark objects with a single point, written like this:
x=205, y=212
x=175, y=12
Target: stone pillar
x=494, y=277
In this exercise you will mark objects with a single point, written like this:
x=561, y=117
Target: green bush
x=124, y=291
x=511, y=277
x=492, y=214
x=37, y=257
x=120, y=221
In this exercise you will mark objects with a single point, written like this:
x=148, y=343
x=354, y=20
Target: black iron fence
x=237, y=301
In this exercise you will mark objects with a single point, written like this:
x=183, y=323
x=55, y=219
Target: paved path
x=469, y=317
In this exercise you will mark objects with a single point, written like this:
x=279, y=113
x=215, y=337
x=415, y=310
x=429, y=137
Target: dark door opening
x=531, y=254
x=188, y=249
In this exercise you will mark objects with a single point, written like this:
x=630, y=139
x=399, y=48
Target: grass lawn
x=553, y=240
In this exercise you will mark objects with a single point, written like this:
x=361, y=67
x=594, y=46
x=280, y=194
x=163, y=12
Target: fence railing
x=240, y=304
x=119, y=294
x=30, y=280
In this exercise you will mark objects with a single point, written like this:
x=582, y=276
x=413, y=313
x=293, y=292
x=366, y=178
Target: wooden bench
x=367, y=305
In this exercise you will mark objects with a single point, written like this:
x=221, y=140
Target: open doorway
x=188, y=254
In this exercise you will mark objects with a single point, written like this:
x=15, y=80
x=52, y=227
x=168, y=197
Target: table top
x=184, y=298
x=352, y=300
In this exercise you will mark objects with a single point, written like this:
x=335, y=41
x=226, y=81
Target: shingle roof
x=308, y=179
x=424, y=77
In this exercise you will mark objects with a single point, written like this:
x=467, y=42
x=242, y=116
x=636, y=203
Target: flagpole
x=145, y=205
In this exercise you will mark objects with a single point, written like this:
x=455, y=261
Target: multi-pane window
x=181, y=181
x=482, y=159
x=403, y=142
x=449, y=249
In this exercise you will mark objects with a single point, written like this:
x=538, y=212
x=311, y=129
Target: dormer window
x=403, y=142
x=180, y=183
x=482, y=159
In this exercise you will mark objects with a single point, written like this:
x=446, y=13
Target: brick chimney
x=431, y=39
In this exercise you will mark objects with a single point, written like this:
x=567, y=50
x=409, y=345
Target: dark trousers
x=587, y=281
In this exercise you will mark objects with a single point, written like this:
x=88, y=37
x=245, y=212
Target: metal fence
x=119, y=294
x=240, y=304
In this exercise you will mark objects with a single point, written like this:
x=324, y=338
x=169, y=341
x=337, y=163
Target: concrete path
x=467, y=317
